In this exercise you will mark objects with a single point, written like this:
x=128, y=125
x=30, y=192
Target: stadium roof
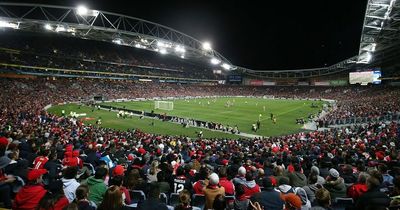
x=82, y=22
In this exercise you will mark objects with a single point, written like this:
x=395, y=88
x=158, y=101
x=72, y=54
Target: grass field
x=243, y=113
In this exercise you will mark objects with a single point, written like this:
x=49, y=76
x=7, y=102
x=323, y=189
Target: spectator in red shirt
x=359, y=188
x=250, y=186
x=29, y=196
x=41, y=160
x=54, y=198
x=224, y=182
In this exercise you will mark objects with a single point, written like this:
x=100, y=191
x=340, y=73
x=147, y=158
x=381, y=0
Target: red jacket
x=60, y=204
x=28, y=197
x=356, y=190
x=228, y=185
x=251, y=191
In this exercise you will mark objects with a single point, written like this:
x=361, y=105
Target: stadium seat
x=137, y=195
x=174, y=199
x=342, y=203
x=164, y=198
x=199, y=201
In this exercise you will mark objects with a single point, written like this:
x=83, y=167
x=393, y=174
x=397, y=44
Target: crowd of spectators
x=71, y=53
x=51, y=162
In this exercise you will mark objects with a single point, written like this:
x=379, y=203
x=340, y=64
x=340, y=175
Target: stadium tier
x=127, y=114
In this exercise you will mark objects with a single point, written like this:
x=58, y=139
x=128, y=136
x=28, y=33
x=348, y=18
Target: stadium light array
x=179, y=48
x=206, y=46
x=226, y=66
x=215, y=61
x=5, y=24
x=117, y=41
x=182, y=56
x=368, y=57
x=163, y=51
x=84, y=11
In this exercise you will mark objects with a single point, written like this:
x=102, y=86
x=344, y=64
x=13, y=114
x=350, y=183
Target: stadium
x=103, y=110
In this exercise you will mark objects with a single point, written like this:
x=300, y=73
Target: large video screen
x=365, y=77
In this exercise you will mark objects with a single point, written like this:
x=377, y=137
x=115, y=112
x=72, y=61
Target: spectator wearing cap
x=54, y=198
x=241, y=176
x=323, y=200
x=97, y=188
x=292, y=201
x=335, y=184
x=69, y=182
x=297, y=178
x=359, y=188
x=29, y=196
x=269, y=198
x=118, y=170
x=212, y=190
x=224, y=182
x=373, y=198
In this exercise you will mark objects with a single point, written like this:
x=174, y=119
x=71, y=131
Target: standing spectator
x=70, y=183
x=212, y=190
x=29, y=196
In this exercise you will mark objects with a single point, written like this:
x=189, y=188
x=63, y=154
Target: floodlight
x=182, y=56
x=48, y=27
x=82, y=10
x=117, y=41
x=368, y=57
x=215, y=61
x=179, y=48
x=206, y=46
x=5, y=24
x=160, y=44
x=163, y=51
x=60, y=28
x=226, y=66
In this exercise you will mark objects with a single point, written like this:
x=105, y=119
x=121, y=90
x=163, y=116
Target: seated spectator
x=297, y=178
x=387, y=178
x=181, y=182
x=82, y=193
x=153, y=201
x=312, y=187
x=70, y=183
x=96, y=185
x=29, y=196
x=224, y=182
x=202, y=182
x=54, y=198
x=335, y=184
x=250, y=186
x=152, y=172
x=219, y=203
x=113, y=200
x=373, y=198
x=278, y=173
x=315, y=170
x=347, y=175
x=269, y=198
x=118, y=181
x=184, y=201
x=212, y=190
x=305, y=203
x=323, y=200
x=161, y=183
x=241, y=200
x=5, y=180
x=284, y=186
x=241, y=176
x=292, y=201
x=359, y=188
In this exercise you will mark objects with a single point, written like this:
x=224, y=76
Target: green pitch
x=244, y=112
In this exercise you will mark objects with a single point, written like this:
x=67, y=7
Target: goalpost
x=164, y=105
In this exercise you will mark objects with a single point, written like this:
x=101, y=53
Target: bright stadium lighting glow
x=206, y=46
x=144, y=40
x=160, y=44
x=368, y=57
x=5, y=24
x=60, y=28
x=179, y=48
x=117, y=41
x=182, y=56
x=215, y=61
x=163, y=51
x=82, y=10
x=226, y=66
x=48, y=27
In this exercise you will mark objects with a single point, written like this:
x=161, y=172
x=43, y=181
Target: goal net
x=164, y=105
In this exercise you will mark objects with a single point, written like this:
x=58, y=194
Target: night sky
x=255, y=34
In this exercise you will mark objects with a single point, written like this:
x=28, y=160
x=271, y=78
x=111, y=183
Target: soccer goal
x=164, y=105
